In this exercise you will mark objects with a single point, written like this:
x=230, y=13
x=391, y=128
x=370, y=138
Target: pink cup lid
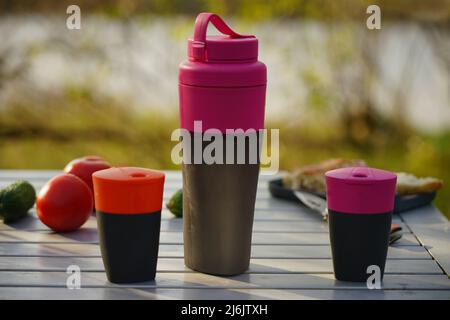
x=360, y=190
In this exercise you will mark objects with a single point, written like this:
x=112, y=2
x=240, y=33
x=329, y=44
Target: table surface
x=291, y=257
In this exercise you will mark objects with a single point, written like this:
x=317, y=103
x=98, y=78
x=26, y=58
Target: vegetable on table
x=84, y=167
x=16, y=200
x=175, y=204
x=65, y=203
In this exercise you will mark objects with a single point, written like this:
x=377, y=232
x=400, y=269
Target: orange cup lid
x=128, y=190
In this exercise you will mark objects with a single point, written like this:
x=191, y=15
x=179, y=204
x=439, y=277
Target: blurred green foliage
x=430, y=10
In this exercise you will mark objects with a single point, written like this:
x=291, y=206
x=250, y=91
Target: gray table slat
x=258, y=251
x=177, y=265
x=199, y=280
x=176, y=225
x=433, y=230
x=217, y=294
x=258, y=238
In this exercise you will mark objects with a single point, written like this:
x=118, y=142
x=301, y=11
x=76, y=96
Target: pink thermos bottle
x=222, y=88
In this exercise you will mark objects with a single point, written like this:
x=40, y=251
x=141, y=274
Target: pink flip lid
x=228, y=60
x=360, y=190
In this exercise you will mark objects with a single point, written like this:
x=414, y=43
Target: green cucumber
x=175, y=204
x=16, y=200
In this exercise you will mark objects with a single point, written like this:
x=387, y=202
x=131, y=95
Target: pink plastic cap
x=226, y=48
x=228, y=60
x=231, y=46
x=360, y=190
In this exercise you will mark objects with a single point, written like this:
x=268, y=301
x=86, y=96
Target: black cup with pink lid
x=360, y=201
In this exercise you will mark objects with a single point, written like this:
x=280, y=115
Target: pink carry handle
x=200, y=29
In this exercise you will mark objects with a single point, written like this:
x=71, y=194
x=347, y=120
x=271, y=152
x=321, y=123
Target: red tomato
x=84, y=167
x=64, y=203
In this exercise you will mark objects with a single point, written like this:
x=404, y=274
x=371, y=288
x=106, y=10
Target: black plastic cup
x=128, y=203
x=360, y=202
x=357, y=242
x=129, y=245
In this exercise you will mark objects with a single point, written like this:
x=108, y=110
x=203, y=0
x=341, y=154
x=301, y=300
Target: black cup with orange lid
x=128, y=203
